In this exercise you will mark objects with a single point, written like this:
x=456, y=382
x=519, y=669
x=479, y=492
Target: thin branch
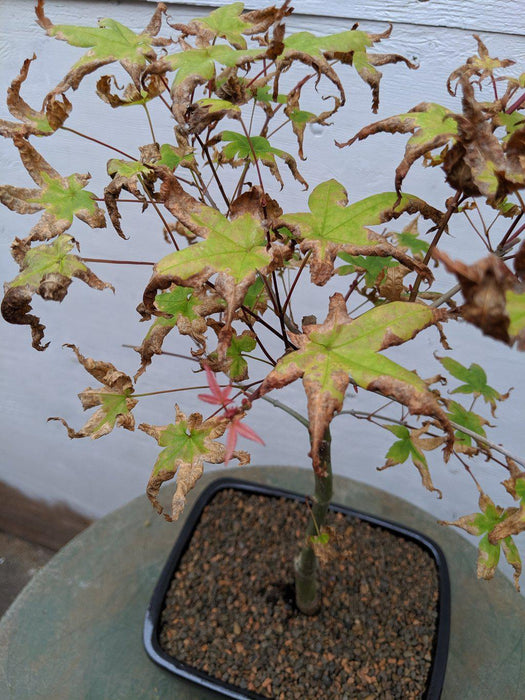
x=101, y=143
x=117, y=262
x=288, y=410
x=443, y=225
x=210, y=163
x=294, y=283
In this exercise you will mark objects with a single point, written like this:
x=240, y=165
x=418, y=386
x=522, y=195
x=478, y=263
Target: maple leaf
x=183, y=308
x=125, y=175
x=409, y=239
x=412, y=444
x=475, y=381
x=482, y=66
x=221, y=397
x=240, y=149
x=109, y=42
x=152, y=86
x=31, y=121
x=489, y=522
x=46, y=270
x=468, y=419
x=484, y=285
x=349, y=47
x=340, y=348
x=332, y=227
x=231, y=250
x=115, y=399
x=187, y=443
x=432, y=125
x=61, y=198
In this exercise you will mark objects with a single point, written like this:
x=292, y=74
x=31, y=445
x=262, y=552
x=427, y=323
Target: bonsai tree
x=237, y=254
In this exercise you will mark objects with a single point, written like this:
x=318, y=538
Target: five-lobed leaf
x=475, y=381
x=342, y=348
x=187, y=444
x=332, y=227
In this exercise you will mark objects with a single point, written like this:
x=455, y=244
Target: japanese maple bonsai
x=238, y=255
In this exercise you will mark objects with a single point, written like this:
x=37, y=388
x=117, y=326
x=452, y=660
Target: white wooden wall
x=97, y=476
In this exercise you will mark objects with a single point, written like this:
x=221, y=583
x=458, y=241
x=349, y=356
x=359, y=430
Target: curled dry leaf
x=484, y=285
x=431, y=125
x=61, y=198
x=46, y=270
x=114, y=399
x=187, y=443
x=31, y=121
x=340, y=348
x=184, y=308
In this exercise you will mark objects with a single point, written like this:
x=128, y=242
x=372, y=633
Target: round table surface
x=75, y=631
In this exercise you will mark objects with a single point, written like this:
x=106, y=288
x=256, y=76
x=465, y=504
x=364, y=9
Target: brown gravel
x=230, y=611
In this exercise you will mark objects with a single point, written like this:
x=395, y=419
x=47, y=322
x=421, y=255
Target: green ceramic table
x=76, y=630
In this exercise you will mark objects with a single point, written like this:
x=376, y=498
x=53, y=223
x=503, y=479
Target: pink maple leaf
x=235, y=429
x=221, y=397
x=218, y=396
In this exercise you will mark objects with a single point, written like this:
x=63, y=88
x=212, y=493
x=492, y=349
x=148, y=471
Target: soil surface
x=230, y=610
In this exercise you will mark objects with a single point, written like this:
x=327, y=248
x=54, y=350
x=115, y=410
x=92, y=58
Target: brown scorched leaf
x=484, y=285
x=46, y=270
x=187, y=443
x=183, y=308
x=341, y=348
x=31, y=121
x=114, y=399
x=61, y=198
x=431, y=125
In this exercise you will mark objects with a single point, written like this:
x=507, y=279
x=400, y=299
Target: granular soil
x=230, y=612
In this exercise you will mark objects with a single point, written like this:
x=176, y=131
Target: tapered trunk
x=307, y=594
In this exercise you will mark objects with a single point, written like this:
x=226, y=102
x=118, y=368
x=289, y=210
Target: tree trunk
x=307, y=596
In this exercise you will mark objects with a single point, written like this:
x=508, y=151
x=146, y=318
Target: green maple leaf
x=239, y=344
x=484, y=524
x=225, y=22
x=65, y=197
x=373, y=267
x=60, y=198
x=431, y=125
x=185, y=308
x=340, y=348
x=468, y=419
x=201, y=62
x=53, y=259
x=172, y=156
x=110, y=41
x=46, y=270
x=257, y=147
x=187, y=444
x=343, y=42
x=236, y=248
x=412, y=444
x=127, y=168
x=114, y=400
x=332, y=227
x=475, y=381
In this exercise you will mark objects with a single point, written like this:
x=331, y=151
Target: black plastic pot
x=153, y=614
